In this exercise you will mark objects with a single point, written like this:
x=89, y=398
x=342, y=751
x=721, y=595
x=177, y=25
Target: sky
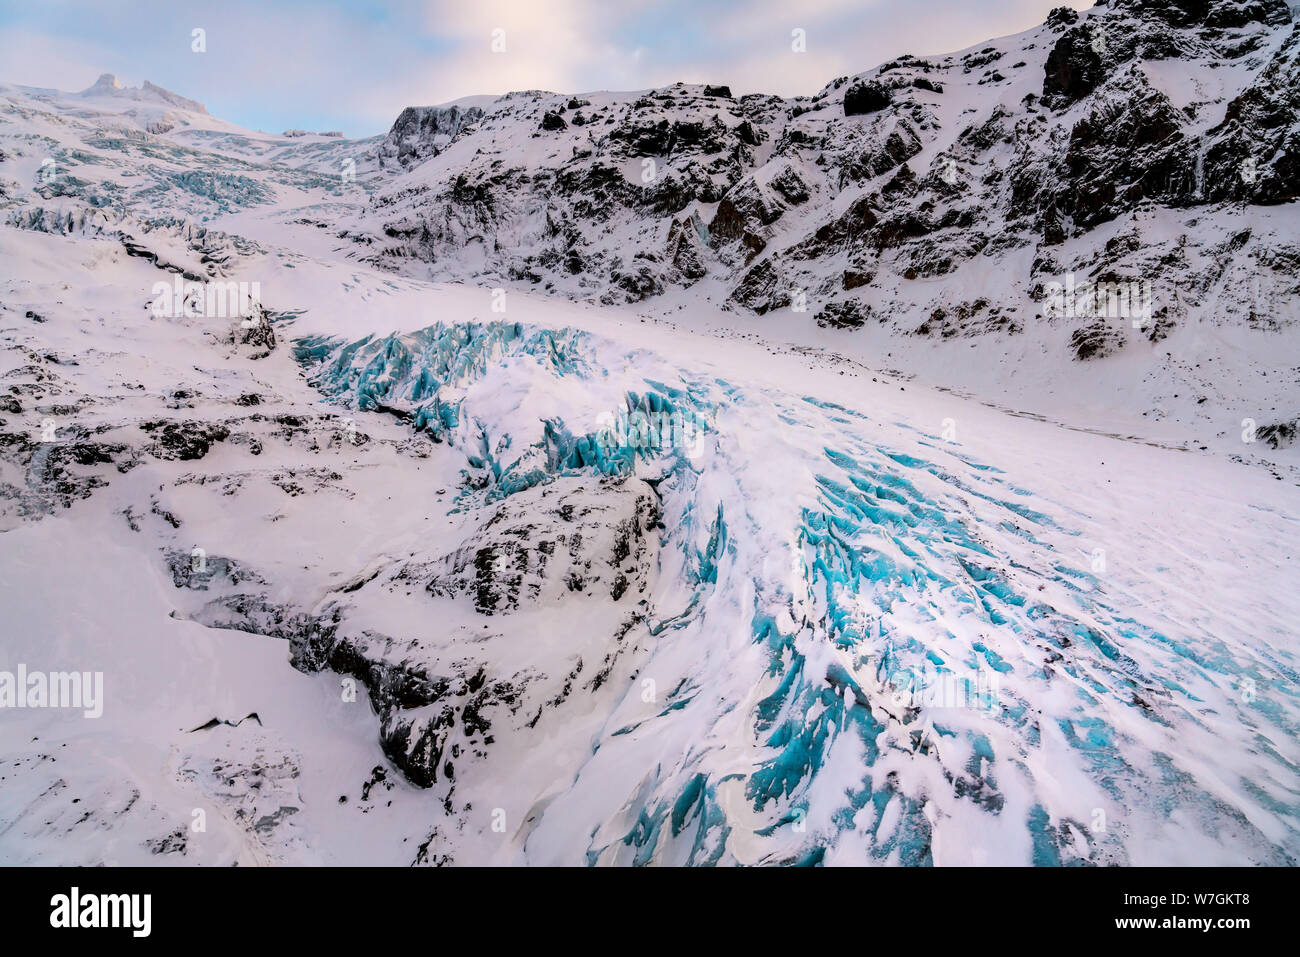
x=353, y=65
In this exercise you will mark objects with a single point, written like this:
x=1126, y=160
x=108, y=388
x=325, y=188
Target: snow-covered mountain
x=667, y=477
x=1151, y=146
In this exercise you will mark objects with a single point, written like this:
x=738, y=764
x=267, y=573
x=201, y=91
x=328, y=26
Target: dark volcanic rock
x=868, y=97
x=559, y=537
x=686, y=249
x=256, y=331
x=1096, y=340
x=1062, y=17
x=1255, y=153
x=1073, y=69
x=1279, y=435
x=790, y=186
x=743, y=215
x=842, y=315
x=183, y=441
x=761, y=289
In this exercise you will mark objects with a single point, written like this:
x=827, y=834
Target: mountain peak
x=109, y=85
x=173, y=99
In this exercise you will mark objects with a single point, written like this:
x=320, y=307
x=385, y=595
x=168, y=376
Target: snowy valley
x=899, y=475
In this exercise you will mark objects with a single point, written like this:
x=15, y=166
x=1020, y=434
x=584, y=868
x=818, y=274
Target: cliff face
x=895, y=193
x=422, y=132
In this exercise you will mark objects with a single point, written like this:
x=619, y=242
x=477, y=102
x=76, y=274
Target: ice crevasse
x=869, y=646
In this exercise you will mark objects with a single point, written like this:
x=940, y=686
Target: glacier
x=831, y=583
x=756, y=514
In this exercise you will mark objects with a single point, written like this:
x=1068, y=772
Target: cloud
x=32, y=58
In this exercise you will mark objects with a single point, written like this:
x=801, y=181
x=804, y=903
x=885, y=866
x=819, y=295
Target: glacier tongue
x=859, y=644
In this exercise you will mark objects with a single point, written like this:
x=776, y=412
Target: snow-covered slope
x=925, y=208
x=381, y=569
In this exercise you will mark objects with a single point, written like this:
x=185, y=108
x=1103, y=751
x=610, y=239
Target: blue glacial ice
x=880, y=650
